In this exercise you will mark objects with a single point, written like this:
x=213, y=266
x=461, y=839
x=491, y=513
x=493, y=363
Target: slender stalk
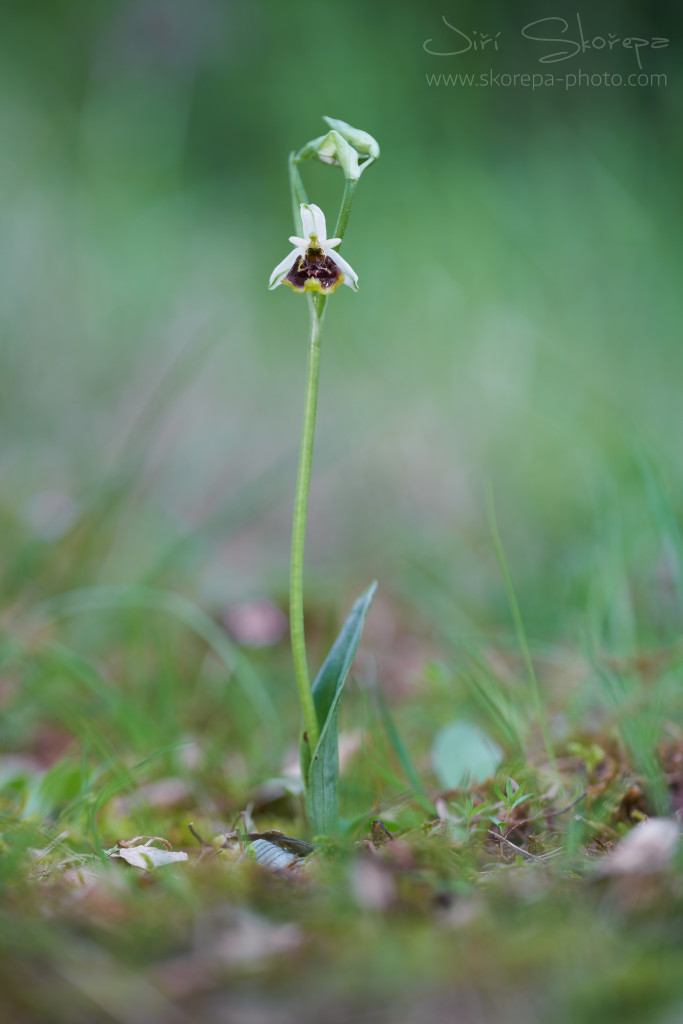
x=303, y=483
x=296, y=577
x=297, y=190
x=350, y=185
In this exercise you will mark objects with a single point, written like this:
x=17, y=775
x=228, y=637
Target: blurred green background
x=517, y=323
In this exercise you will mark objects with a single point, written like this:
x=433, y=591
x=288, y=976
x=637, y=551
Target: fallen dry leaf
x=647, y=848
x=145, y=855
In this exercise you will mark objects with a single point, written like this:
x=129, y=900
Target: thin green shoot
x=519, y=629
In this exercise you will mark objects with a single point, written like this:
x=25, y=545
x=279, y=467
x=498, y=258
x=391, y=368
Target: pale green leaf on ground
x=462, y=754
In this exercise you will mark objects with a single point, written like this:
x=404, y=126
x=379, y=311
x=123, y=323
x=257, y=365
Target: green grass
x=109, y=690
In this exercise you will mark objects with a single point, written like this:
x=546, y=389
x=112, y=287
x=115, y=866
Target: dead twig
x=549, y=813
x=517, y=849
x=197, y=836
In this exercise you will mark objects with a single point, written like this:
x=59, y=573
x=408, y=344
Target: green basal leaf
x=322, y=769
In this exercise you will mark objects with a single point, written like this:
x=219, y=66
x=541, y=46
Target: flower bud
x=363, y=143
x=333, y=149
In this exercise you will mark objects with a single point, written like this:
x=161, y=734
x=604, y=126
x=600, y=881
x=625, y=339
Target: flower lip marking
x=313, y=265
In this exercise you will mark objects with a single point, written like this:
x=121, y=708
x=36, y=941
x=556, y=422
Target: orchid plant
x=316, y=269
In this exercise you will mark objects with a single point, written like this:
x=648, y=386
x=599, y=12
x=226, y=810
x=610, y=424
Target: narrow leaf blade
x=322, y=805
x=338, y=662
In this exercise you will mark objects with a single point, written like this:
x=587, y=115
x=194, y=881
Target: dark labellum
x=314, y=272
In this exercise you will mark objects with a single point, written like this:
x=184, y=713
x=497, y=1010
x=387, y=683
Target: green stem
x=297, y=190
x=296, y=578
x=350, y=186
x=303, y=482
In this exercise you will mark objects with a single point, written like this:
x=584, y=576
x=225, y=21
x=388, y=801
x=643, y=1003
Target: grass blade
x=90, y=599
x=401, y=751
x=519, y=628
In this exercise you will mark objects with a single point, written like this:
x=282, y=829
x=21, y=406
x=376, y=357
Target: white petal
x=330, y=243
x=350, y=275
x=319, y=218
x=300, y=243
x=307, y=221
x=284, y=267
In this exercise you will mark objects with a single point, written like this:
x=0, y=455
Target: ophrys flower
x=314, y=265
